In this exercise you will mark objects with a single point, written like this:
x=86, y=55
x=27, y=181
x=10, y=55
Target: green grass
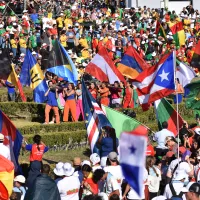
x=52, y=157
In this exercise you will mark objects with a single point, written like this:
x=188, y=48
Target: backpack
x=174, y=195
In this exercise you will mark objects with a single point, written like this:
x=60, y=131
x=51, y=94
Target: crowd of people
x=172, y=167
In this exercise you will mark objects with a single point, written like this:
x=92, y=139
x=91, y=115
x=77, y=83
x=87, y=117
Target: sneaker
x=51, y=122
x=45, y=123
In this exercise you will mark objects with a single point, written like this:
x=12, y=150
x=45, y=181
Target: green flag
x=122, y=123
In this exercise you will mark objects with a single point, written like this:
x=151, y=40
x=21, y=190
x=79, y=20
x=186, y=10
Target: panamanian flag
x=95, y=119
x=132, y=157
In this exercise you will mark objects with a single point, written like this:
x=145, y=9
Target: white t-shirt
x=69, y=188
x=160, y=137
x=132, y=194
x=5, y=151
x=111, y=184
x=178, y=186
x=183, y=168
x=154, y=181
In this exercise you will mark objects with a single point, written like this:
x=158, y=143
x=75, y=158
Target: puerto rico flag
x=12, y=138
x=132, y=157
x=103, y=68
x=156, y=82
x=94, y=117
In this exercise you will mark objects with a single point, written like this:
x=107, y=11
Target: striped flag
x=103, y=68
x=95, y=118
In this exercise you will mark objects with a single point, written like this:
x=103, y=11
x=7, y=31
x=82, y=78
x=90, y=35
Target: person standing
x=79, y=105
x=179, y=92
x=52, y=96
x=128, y=100
x=104, y=93
x=70, y=104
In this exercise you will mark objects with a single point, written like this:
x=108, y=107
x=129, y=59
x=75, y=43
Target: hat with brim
x=25, y=11
x=59, y=171
x=44, y=45
x=20, y=179
x=1, y=137
x=94, y=158
x=112, y=156
x=68, y=169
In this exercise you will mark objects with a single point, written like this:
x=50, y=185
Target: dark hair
x=86, y=168
x=177, y=79
x=97, y=175
x=149, y=165
x=73, y=87
x=113, y=136
x=164, y=124
x=37, y=140
x=92, y=197
x=114, y=197
x=46, y=169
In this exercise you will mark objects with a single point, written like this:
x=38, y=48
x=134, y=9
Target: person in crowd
x=44, y=187
x=108, y=143
x=66, y=190
x=37, y=149
x=88, y=184
x=70, y=104
x=179, y=92
x=11, y=90
x=19, y=186
x=52, y=96
x=115, y=95
x=93, y=90
x=128, y=98
x=104, y=93
x=171, y=143
x=154, y=177
x=5, y=151
x=58, y=171
x=79, y=105
x=95, y=161
x=160, y=138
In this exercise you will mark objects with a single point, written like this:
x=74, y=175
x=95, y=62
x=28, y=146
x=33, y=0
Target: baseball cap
x=86, y=162
x=20, y=179
x=169, y=154
x=112, y=156
x=192, y=187
x=94, y=158
x=1, y=137
x=182, y=150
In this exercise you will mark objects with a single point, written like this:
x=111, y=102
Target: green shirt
x=2, y=31
x=33, y=41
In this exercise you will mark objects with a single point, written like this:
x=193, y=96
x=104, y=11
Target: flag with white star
x=95, y=119
x=156, y=82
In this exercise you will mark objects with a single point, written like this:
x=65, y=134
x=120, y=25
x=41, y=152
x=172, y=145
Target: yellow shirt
x=59, y=21
x=50, y=15
x=68, y=22
x=13, y=43
x=63, y=40
x=83, y=43
x=105, y=40
x=85, y=54
x=22, y=43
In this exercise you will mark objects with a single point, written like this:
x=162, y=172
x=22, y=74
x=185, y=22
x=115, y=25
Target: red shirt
x=35, y=153
x=150, y=151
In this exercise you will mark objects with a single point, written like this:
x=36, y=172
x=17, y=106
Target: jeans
x=23, y=50
x=11, y=96
x=14, y=50
x=2, y=42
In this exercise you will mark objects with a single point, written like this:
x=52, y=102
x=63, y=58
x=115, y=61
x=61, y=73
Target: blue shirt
x=107, y=146
x=51, y=99
x=70, y=34
x=11, y=90
x=34, y=17
x=21, y=190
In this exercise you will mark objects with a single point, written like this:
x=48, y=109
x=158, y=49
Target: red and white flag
x=103, y=68
x=156, y=82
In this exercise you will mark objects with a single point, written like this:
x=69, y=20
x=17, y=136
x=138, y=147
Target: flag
x=61, y=64
x=94, y=117
x=160, y=30
x=132, y=158
x=13, y=78
x=196, y=56
x=120, y=122
x=132, y=64
x=184, y=73
x=12, y=138
x=32, y=75
x=178, y=32
x=6, y=177
x=193, y=97
x=156, y=82
x=103, y=68
x=165, y=112
x=5, y=64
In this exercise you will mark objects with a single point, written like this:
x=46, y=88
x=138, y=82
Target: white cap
x=154, y=54
x=190, y=44
x=86, y=162
x=34, y=53
x=69, y=51
x=94, y=158
x=61, y=14
x=25, y=11
x=101, y=38
x=68, y=169
x=143, y=42
x=109, y=37
x=20, y=179
x=44, y=44
x=1, y=25
x=59, y=171
x=22, y=54
x=76, y=24
x=1, y=137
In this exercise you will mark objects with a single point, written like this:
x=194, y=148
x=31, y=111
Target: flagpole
x=177, y=109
